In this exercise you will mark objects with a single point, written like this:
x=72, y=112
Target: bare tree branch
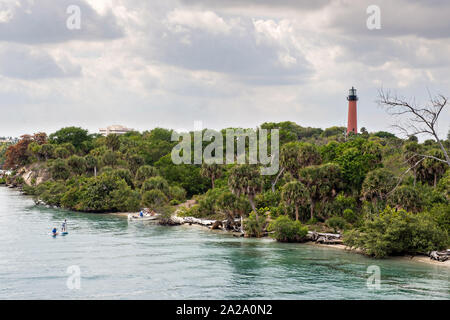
x=420, y=120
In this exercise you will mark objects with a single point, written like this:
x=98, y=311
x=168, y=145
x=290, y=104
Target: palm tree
x=245, y=179
x=433, y=169
x=232, y=206
x=212, y=171
x=294, y=156
x=295, y=193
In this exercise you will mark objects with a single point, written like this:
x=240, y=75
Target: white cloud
x=181, y=20
x=227, y=63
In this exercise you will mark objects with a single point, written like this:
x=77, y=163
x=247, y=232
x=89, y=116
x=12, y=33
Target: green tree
x=411, y=151
x=156, y=144
x=356, y=158
x=211, y=171
x=432, y=169
x=444, y=185
x=135, y=162
x=295, y=194
x=323, y=182
x=308, y=155
x=334, y=131
x=77, y=164
x=154, y=199
x=110, y=158
x=125, y=199
x=185, y=175
x=336, y=223
x=62, y=153
x=378, y=184
x=155, y=183
x=59, y=170
x=105, y=193
x=48, y=151
x=232, y=206
x=113, y=142
x=246, y=180
x=123, y=174
x=74, y=135
x=289, y=158
x=296, y=155
x=144, y=173
x=91, y=163
x=407, y=198
x=177, y=193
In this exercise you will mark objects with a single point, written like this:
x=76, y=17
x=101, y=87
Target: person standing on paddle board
x=64, y=226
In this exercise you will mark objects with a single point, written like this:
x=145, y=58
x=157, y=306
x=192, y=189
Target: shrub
x=77, y=164
x=336, y=223
x=287, y=230
x=268, y=199
x=52, y=193
x=97, y=194
x=155, y=183
x=110, y=158
x=398, y=232
x=145, y=172
x=341, y=203
x=59, y=170
x=207, y=203
x=61, y=152
x=350, y=216
x=165, y=215
x=444, y=185
x=124, y=174
x=154, y=199
x=440, y=213
x=125, y=199
x=255, y=227
x=177, y=193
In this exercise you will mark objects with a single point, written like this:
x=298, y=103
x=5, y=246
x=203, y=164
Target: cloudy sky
x=226, y=63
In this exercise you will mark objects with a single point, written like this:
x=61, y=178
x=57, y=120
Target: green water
x=118, y=260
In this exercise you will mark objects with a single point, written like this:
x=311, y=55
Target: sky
x=233, y=63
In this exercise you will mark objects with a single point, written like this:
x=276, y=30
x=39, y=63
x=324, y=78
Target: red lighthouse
x=351, y=124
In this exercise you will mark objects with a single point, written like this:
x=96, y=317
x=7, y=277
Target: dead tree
x=420, y=119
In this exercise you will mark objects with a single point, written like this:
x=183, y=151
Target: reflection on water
x=147, y=261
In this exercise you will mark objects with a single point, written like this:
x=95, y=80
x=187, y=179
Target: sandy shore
x=421, y=259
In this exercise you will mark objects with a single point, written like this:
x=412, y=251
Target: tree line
x=364, y=185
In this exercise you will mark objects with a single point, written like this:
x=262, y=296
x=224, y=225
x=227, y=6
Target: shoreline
x=418, y=258
x=423, y=259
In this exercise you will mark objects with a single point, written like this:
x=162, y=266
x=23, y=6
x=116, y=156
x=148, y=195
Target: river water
x=117, y=260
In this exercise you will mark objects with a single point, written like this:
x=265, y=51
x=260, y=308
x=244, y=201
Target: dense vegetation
x=368, y=185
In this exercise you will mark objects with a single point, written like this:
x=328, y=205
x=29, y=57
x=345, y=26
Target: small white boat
x=145, y=217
